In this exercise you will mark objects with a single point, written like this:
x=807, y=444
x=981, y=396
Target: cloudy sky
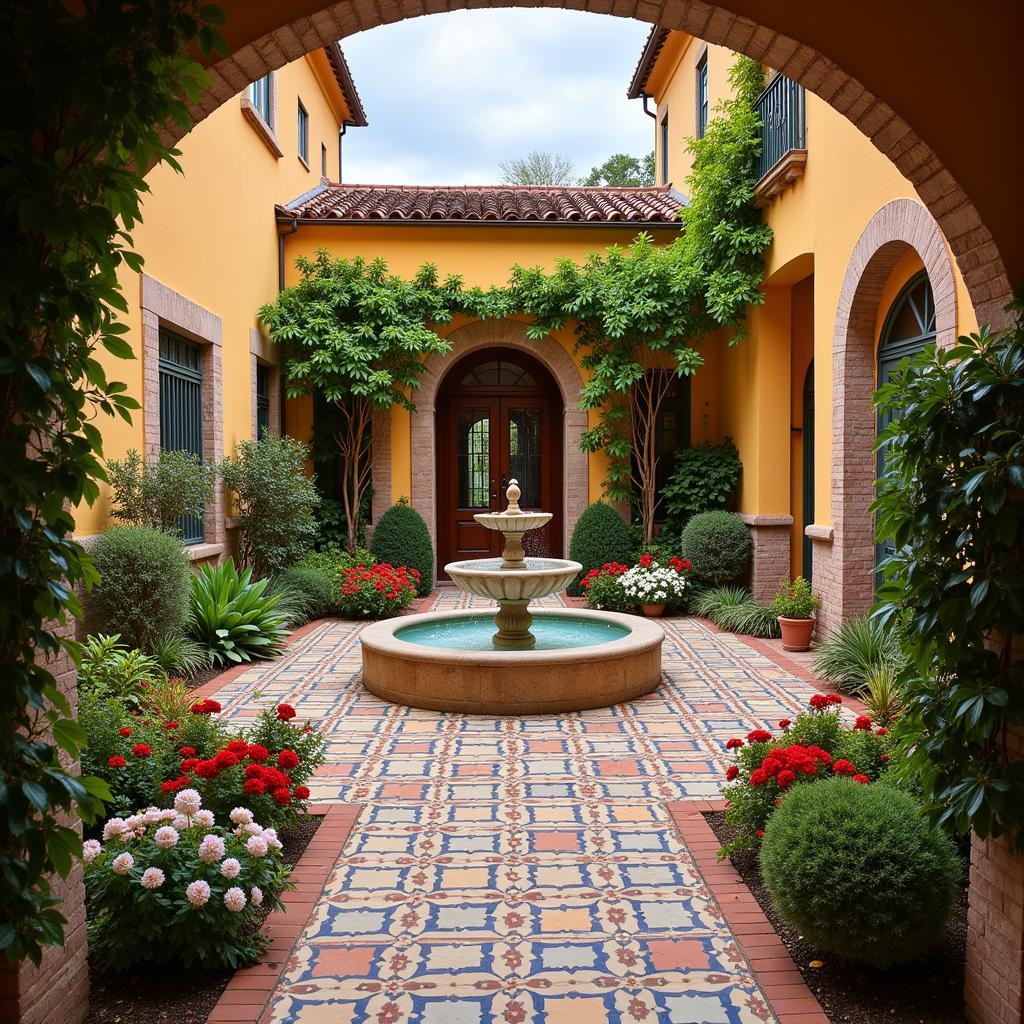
x=449, y=96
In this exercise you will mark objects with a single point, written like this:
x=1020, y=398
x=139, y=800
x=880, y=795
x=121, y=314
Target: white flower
x=204, y=818
x=166, y=837
x=270, y=835
x=152, y=878
x=169, y=814
x=179, y=821
x=198, y=893
x=230, y=868
x=234, y=899
x=113, y=829
x=134, y=821
x=211, y=849
x=256, y=895
x=250, y=828
x=152, y=815
x=187, y=802
x=257, y=846
x=241, y=815
x=91, y=850
x=123, y=863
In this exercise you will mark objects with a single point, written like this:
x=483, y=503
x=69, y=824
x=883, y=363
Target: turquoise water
x=473, y=633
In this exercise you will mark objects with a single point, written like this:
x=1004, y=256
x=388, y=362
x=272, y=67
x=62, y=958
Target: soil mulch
x=925, y=991
x=170, y=995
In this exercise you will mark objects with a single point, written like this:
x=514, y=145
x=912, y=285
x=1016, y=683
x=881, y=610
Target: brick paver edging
x=778, y=977
x=247, y=997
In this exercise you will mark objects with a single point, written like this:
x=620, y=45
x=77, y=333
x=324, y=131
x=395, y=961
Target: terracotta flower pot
x=652, y=611
x=796, y=633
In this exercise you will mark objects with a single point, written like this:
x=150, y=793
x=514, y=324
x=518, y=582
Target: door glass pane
x=473, y=457
x=524, y=454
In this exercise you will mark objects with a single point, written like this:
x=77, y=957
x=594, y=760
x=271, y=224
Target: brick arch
x=467, y=339
x=844, y=555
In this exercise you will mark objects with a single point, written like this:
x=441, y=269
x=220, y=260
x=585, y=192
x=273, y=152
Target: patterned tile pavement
x=520, y=870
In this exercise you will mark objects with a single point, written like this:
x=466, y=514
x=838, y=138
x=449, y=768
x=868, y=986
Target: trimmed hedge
x=599, y=536
x=401, y=538
x=143, y=592
x=311, y=588
x=859, y=870
x=719, y=547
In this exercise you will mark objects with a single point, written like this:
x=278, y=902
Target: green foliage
x=312, y=588
x=401, y=538
x=110, y=669
x=951, y=500
x=237, y=619
x=144, y=585
x=859, y=871
x=89, y=89
x=734, y=609
x=375, y=591
x=794, y=599
x=605, y=593
x=178, y=654
x=883, y=694
x=274, y=501
x=719, y=547
x=621, y=170
x=599, y=537
x=847, y=656
x=334, y=563
x=160, y=492
x=703, y=479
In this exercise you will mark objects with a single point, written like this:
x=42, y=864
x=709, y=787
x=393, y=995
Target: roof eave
x=343, y=75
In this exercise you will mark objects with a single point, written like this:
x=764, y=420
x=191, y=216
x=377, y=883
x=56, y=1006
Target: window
x=303, y=134
x=262, y=401
x=664, y=150
x=181, y=409
x=672, y=433
x=259, y=94
x=702, y=95
x=323, y=160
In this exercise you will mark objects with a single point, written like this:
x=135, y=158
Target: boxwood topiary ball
x=859, y=871
x=599, y=536
x=718, y=545
x=401, y=537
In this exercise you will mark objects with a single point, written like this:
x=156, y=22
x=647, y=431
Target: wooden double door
x=500, y=419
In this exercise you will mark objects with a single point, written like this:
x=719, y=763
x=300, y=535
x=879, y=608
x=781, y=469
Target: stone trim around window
x=259, y=355
x=266, y=132
x=163, y=306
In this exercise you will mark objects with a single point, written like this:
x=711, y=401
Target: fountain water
x=452, y=662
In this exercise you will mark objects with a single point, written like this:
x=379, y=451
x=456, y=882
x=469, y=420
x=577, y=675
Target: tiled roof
x=652, y=49
x=347, y=85
x=479, y=204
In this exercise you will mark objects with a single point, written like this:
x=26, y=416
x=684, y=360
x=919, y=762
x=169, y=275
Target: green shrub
x=274, y=500
x=848, y=655
x=159, y=493
x=719, y=547
x=234, y=617
x=703, y=479
x=734, y=609
x=144, y=585
x=599, y=536
x=795, y=600
x=401, y=538
x=859, y=871
x=110, y=669
x=605, y=592
x=179, y=655
x=311, y=588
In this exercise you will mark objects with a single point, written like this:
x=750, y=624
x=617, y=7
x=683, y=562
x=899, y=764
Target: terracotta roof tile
x=497, y=204
x=343, y=75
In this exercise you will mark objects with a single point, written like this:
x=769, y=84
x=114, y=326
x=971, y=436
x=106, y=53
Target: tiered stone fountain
x=545, y=661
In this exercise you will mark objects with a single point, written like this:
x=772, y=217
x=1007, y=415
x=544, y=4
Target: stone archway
x=473, y=336
x=844, y=552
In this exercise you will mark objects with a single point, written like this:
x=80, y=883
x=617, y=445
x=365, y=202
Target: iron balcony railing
x=783, y=111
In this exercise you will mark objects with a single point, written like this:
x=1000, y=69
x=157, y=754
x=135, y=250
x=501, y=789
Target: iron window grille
x=783, y=111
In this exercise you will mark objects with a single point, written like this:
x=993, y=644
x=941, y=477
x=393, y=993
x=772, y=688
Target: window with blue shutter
x=702, y=96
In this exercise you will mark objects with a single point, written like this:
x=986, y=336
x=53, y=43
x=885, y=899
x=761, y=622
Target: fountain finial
x=512, y=494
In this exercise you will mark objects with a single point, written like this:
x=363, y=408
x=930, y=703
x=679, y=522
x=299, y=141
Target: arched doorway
x=498, y=416
x=909, y=327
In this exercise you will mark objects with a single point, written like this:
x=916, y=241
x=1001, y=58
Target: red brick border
x=246, y=999
x=778, y=977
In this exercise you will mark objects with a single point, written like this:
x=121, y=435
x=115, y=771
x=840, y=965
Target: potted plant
x=794, y=605
x=653, y=586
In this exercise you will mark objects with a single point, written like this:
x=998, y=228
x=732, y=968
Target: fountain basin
x=538, y=577
x=616, y=658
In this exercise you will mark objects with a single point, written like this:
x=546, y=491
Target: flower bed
x=376, y=591
x=617, y=587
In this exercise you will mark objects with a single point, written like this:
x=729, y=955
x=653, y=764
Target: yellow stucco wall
x=210, y=235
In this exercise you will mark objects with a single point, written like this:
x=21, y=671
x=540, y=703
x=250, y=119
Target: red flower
x=238, y=747
x=731, y=772
x=287, y=759
x=117, y=761
x=302, y=792
x=843, y=767
x=186, y=751
x=282, y=796
x=258, y=752
x=881, y=732
x=759, y=736
x=170, y=726
x=254, y=786
x=188, y=764
x=173, y=785
x=141, y=750
x=207, y=769
x=758, y=777
x=820, y=701
x=862, y=779
x=225, y=759
x=785, y=779
x=285, y=712
x=205, y=707
x=253, y=771
x=784, y=723
x=275, y=779
x=760, y=833
x=125, y=731
x=884, y=757
x=646, y=561
x=734, y=744
x=863, y=723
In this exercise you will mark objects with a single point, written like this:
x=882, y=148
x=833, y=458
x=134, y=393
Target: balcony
x=783, y=110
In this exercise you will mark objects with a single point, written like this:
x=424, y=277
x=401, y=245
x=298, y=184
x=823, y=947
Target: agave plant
x=237, y=619
x=854, y=649
x=882, y=694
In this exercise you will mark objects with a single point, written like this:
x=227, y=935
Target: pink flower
x=152, y=878
x=91, y=849
x=166, y=837
x=198, y=893
x=211, y=849
x=123, y=863
x=230, y=868
x=187, y=802
x=256, y=896
x=234, y=899
x=257, y=846
x=241, y=815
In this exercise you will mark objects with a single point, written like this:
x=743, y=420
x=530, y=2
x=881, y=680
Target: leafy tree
x=161, y=492
x=623, y=171
x=357, y=335
x=950, y=499
x=538, y=168
x=89, y=88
